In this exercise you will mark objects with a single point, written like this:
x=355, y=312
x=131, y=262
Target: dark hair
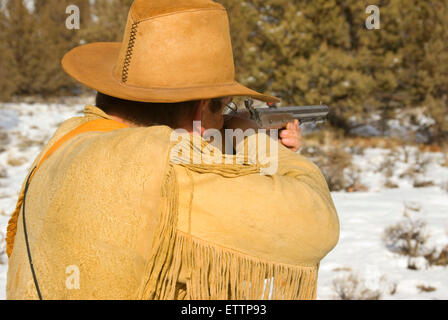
x=148, y=113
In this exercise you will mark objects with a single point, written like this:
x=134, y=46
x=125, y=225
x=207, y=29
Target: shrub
x=407, y=237
x=354, y=178
x=388, y=168
x=438, y=258
x=421, y=163
x=352, y=287
x=388, y=164
x=417, y=169
x=335, y=164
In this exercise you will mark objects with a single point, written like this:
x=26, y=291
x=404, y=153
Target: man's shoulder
x=140, y=140
x=136, y=144
x=139, y=147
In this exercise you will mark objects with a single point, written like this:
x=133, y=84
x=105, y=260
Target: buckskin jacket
x=114, y=214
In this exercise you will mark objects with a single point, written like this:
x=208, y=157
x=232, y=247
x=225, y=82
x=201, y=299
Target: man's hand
x=291, y=137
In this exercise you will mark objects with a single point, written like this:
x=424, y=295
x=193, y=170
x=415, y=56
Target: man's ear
x=204, y=105
x=201, y=109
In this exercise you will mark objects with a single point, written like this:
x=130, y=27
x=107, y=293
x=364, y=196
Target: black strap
x=26, y=237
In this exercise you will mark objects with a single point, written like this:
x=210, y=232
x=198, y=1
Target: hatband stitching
x=127, y=60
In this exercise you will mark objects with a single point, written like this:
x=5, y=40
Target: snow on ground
x=363, y=218
x=365, y=215
x=360, y=256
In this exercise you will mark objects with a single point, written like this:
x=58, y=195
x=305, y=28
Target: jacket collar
x=91, y=113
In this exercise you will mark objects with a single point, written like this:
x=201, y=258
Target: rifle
x=277, y=118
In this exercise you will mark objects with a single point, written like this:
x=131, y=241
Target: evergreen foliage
x=307, y=52
x=304, y=51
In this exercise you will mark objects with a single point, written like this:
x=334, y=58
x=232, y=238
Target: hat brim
x=93, y=65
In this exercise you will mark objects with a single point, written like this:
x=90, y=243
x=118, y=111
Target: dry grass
x=337, y=139
x=332, y=152
x=339, y=269
x=390, y=184
x=430, y=148
x=16, y=161
x=3, y=173
x=387, y=167
x=3, y=213
x=372, y=142
x=423, y=184
x=438, y=258
x=421, y=163
x=445, y=154
x=417, y=169
x=341, y=175
x=444, y=186
x=353, y=175
x=26, y=142
x=352, y=287
x=445, y=164
x=424, y=288
x=388, y=164
x=4, y=140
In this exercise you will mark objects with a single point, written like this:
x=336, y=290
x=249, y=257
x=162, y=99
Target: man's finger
x=286, y=133
x=289, y=142
x=290, y=145
x=289, y=133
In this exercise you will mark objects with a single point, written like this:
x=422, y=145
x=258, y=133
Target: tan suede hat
x=172, y=51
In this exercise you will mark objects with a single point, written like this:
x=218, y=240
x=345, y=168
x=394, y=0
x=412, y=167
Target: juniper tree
x=409, y=60
x=51, y=26
x=20, y=38
x=110, y=20
x=9, y=75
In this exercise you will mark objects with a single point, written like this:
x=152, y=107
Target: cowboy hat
x=172, y=51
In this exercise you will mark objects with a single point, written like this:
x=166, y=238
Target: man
x=110, y=211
